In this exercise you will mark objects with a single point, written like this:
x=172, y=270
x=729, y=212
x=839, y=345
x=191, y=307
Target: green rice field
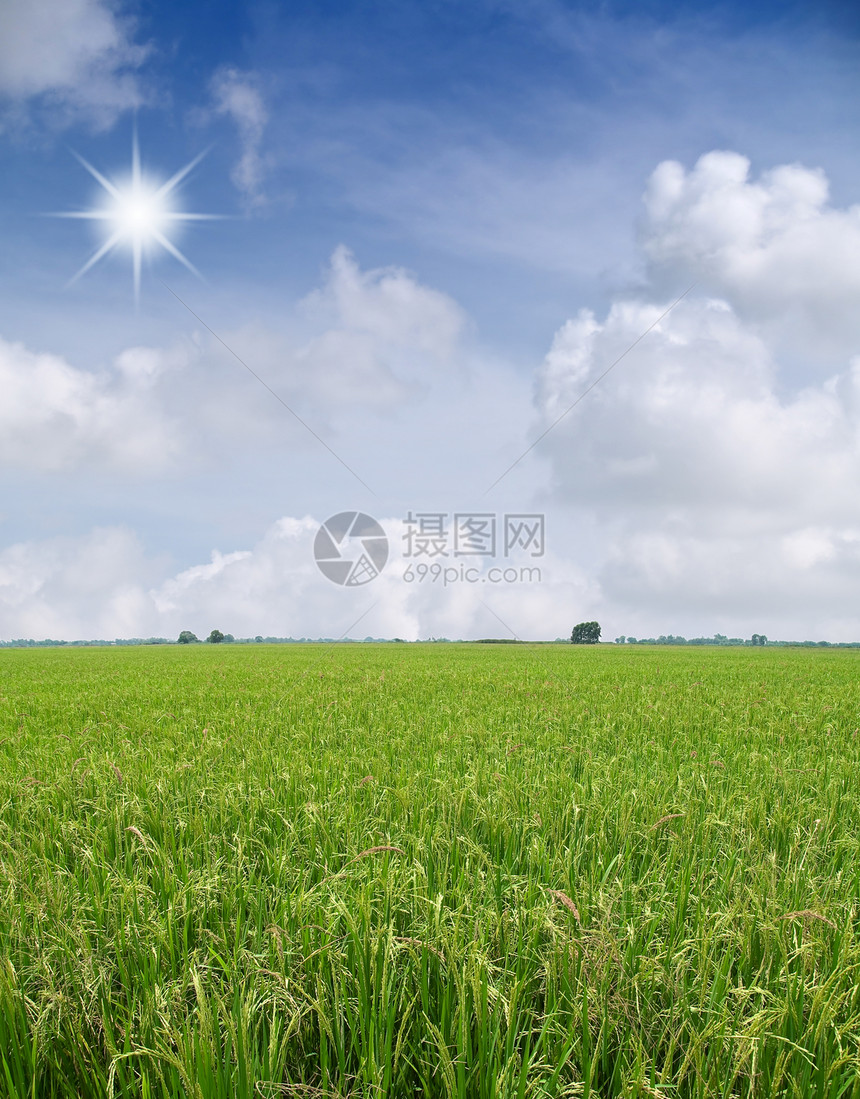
x=398, y=870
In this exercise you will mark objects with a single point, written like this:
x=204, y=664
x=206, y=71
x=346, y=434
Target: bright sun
x=138, y=214
x=141, y=214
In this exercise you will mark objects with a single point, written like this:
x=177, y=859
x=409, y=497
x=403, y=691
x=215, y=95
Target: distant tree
x=585, y=633
x=215, y=638
x=228, y=637
x=620, y=640
x=258, y=638
x=186, y=638
x=758, y=639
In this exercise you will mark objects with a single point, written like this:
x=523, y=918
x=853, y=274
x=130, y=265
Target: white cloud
x=797, y=585
x=773, y=247
x=695, y=418
x=727, y=488
x=68, y=588
x=237, y=95
x=387, y=303
x=387, y=371
x=274, y=588
x=102, y=585
x=366, y=340
x=382, y=333
x=77, y=54
x=56, y=417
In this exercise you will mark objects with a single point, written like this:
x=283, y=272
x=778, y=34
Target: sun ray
x=167, y=187
x=135, y=159
x=136, y=257
x=106, y=183
x=108, y=246
x=174, y=251
x=91, y=215
x=171, y=216
x=138, y=213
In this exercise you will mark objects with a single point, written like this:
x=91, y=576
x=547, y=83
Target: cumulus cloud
x=237, y=95
x=275, y=588
x=382, y=331
x=55, y=416
x=773, y=247
x=372, y=339
x=102, y=585
x=798, y=584
x=89, y=587
x=77, y=55
x=387, y=303
x=387, y=370
x=696, y=419
x=725, y=482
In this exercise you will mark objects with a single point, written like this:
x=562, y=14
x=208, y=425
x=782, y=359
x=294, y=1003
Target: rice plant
x=441, y=871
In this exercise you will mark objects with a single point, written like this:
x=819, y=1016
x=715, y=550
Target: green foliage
x=186, y=637
x=215, y=638
x=585, y=633
x=429, y=870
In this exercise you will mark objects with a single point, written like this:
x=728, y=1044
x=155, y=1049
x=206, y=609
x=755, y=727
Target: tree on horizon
x=585, y=633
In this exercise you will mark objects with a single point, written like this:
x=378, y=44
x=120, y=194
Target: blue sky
x=420, y=200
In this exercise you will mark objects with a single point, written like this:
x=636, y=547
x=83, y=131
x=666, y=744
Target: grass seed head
x=564, y=899
x=807, y=914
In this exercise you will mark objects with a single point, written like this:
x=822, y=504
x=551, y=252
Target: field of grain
x=429, y=870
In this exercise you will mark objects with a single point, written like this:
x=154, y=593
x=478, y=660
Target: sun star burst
x=138, y=213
